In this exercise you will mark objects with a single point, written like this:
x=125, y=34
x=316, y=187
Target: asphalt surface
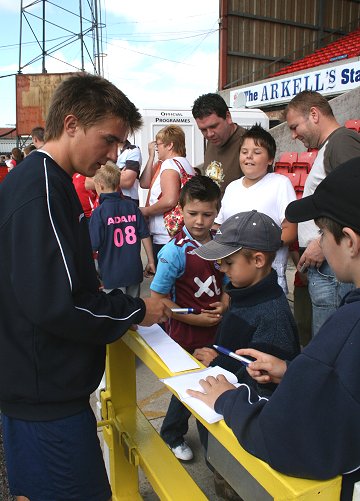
x=153, y=400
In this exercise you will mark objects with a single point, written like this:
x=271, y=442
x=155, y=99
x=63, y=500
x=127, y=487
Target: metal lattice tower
x=49, y=28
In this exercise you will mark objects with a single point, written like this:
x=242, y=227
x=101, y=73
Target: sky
x=161, y=53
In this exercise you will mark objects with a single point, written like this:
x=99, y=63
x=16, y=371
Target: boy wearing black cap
x=310, y=426
x=259, y=315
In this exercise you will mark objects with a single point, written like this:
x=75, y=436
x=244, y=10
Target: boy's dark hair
x=269, y=255
x=38, y=132
x=200, y=188
x=210, y=103
x=263, y=138
x=90, y=99
x=336, y=229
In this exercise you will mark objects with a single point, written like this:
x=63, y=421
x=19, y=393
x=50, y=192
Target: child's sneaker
x=183, y=452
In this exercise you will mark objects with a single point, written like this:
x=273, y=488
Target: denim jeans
x=175, y=424
x=326, y=293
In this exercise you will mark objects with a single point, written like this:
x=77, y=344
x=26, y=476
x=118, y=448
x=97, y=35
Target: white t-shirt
x=132, y=154
x=271, y=195
x=156, y=223
x=308, y=231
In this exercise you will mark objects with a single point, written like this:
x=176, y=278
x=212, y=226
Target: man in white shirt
x=311, y=120
x=129, y=162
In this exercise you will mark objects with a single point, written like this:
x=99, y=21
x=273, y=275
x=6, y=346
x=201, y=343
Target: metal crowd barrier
x=133, y=442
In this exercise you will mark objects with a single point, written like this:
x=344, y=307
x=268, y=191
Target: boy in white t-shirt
x=263, y=190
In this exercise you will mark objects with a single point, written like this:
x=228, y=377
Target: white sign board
x=330, y=80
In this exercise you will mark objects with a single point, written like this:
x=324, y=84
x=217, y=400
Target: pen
x=185, y=311
x=243, y=360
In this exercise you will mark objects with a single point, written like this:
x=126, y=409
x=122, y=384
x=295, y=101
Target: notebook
x=190, y=380
x=173, y=356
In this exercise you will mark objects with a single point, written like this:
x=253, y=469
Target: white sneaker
x=183, y=452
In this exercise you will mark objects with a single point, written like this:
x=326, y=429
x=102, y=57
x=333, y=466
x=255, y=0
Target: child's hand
x=266, y=368
x=205, y=355
x=213, y=387
x=208, y=319
x=149, y=270
x=217, y=309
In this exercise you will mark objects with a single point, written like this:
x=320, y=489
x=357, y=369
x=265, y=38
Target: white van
x=154, y=120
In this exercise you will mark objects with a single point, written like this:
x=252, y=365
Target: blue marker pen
x=243, y=360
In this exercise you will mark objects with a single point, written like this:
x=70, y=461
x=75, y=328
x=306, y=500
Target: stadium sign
x=330, y=80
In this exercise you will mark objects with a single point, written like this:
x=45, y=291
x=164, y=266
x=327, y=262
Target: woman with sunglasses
x=163, y=180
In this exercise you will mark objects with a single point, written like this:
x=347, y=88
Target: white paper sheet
x=173, y=356
x=191, y=380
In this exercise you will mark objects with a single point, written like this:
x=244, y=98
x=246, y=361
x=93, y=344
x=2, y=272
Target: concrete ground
x=153, y=400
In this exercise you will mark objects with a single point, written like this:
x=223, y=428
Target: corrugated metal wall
x=258, y=37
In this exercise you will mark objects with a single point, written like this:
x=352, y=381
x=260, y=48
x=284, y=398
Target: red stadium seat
x=281, y=168
x=353, y=124
x=289, y=156
x=286, y=160
x=295, y=179
x=299, y=189
x=300, y=167
x=344, y=48
x=305, y=161
x=298, y=180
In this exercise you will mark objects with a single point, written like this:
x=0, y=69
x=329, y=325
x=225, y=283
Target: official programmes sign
x=330, y=80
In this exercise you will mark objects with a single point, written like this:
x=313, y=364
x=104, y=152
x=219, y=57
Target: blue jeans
x=326, y=294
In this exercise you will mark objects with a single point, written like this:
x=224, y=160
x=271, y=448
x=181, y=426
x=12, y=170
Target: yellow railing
x=133, y=442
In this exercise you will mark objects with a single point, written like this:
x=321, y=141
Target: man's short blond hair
x=109, y=176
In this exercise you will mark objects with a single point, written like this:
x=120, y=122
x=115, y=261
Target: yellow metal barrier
x=133, y=442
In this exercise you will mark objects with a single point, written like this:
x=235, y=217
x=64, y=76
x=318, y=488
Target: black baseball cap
x=251, y=230
x=336, y=197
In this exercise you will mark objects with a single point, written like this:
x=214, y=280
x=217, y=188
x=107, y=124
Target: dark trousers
x=156, y=249
x=175, y=424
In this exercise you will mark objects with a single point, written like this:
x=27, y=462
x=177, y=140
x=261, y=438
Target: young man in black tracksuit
x=310, y=425
x=55, y=323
